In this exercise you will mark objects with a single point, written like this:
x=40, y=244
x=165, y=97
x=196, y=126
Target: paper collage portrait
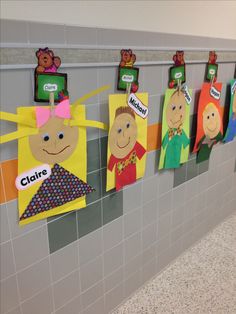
x=175, y=128
x=52, y=158
x=209, y=120
x=127, y=139
x=231, y=128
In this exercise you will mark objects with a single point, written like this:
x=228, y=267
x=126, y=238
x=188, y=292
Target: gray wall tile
x=30, y=248
x=40, y=303
x=14, y=31
x=91, y=295
x=112, y=233
x=150, y=188
x=89, y=218
x=91, y=273
x=132, y=222
x=132, y=283
x=113, y=259
x=17, y=310
x=71, y=307
x=132, y=246
x=64, y=261
x=4, y=224
x=97, y=307
x=133, y=265
x=132, y=197
x=81, y=35
x=90, y=246
x=164, y=225
x=66, y=289
x=149, y=235
x=114, y=297
x=9, y=294
x=165, y=203
x=15, y=229
x=62, y=232
x=112, y=206
x=166, y=179
x=113, y=279
x=46, y=33
x=34, y=279
x=7, y=266
x=149, y=213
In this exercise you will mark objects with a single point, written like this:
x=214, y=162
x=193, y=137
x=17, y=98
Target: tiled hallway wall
x=89, y=261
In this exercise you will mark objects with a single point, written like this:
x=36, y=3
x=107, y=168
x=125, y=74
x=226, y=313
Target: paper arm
x=165, y=141
x=89, y=95
x=16, y=135
x=185, y=140
x=140, y=150
x=12, y=117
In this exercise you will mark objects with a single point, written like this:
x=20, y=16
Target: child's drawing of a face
x=55, y=141
x=176, y=110
x=123, y=133
x=211, y=121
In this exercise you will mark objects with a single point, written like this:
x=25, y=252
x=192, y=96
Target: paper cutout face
x=175, y=129
x=211, y=121
x=176, y=110
x=55, y=141
x=127, y=142
x=123, y=133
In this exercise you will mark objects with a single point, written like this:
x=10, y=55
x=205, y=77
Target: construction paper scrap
x=231, y=128
x=127, y=142
x=175, y=128
x=209, y=120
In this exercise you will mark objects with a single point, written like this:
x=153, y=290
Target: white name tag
x=137, y=106
x=187, y=96
x=215, y=93
x=128, y=78
x=233, y=88
x=50, y=87
x=29, y=178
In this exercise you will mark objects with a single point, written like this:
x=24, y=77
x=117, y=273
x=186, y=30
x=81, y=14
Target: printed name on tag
x=215, y=93
x=233, y=88
x=137, y=106
x=29, y=178
x=187, y=96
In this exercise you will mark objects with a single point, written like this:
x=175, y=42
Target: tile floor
x=202, y=280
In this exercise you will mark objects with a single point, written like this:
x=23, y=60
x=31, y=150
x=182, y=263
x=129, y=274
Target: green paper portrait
x=175, y=128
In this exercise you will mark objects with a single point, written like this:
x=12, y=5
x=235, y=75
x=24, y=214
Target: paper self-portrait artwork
x=209, y=120
x=52, y=158
x=231, y=128
x=127, y=139
x=175, y=128
x=59, y=147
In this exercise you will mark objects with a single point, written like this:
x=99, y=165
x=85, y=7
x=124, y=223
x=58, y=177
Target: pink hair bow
x=62, y=110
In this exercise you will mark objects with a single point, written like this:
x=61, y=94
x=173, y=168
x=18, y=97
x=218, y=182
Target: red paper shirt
x=125, y=171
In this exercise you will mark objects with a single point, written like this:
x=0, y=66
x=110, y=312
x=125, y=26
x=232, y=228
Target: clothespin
x=179, y=85
x=212, y=80
x=51, y=102
x=128, y=89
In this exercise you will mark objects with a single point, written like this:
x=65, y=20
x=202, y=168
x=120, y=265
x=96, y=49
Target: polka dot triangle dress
x=58, y=189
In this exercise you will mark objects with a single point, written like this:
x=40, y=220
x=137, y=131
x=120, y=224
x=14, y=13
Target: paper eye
x=128, y=125
x=45, y=137
x=213, y=114
x=208, y=117
x=119, y=131
x=60, y=135
x=173, y=108
x=180, y=107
